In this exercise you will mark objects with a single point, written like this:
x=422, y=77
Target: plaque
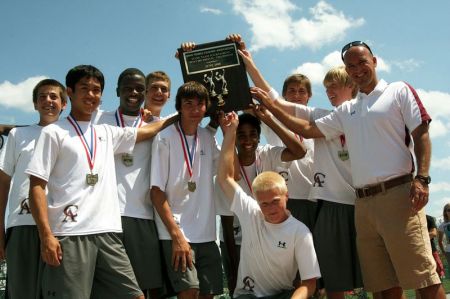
x=218, y=66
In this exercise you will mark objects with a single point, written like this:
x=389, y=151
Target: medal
x=343, y=154
x=189, y=155
x=192, y=186
x=127, y=159
x=90, y=150
x=91, y=179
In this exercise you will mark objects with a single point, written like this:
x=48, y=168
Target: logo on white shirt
x=319, y=179
x=281, y=244
x=71, y=213
x=24, y=207
x=249, y=283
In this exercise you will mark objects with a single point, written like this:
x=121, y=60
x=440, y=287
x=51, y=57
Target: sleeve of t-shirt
x=123, y=139
x=331, y=124
x=244, y=206
x=45, y=154
x=160, y=162
x=305, y=255
x=270, y=157
x=413, y=111
x=8, y=158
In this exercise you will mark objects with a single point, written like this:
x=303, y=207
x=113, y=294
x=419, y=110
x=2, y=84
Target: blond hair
x=339, y=75
x=269, y=180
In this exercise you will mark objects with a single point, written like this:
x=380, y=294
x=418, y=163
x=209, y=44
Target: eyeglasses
x=354, y=44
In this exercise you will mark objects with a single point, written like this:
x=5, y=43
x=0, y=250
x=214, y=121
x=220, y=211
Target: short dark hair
x=191, y=90
x=156, y=75
x=78, y=72
x=129, y=72
x=247, y=118
x=297, y=78
x=50, y=82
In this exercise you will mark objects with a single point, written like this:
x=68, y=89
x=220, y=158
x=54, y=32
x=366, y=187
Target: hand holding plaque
x=220, y=69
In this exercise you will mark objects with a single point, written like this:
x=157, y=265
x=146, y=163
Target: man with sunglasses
x=389, y=216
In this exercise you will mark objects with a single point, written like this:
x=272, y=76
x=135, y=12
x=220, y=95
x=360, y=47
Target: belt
x=372, y=190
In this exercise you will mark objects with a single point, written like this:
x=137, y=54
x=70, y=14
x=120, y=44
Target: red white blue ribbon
x=90, y=149
x=137, y=123
x=189, y=154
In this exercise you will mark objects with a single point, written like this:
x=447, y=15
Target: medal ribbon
x=121, y=123
x=91, y=150
x=342, y=138
x=246, y=178
x=189, y=155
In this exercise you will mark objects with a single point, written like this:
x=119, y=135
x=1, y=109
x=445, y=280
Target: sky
x=44, y=39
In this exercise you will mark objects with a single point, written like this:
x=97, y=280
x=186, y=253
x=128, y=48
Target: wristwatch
x=424, y=179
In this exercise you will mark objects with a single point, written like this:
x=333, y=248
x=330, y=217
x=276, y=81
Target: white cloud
x=19, y=95
x=273, y=25
x=438, y=128
x=439, y=187
x=316, y=70
x=408, y=65
x=437, y=105
x=443, y=163
x=213, y=11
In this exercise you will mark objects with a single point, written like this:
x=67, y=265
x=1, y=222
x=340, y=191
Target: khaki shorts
x=23, y=261
x=96, y=263
x=141, y=243
x=206, y=274
x=393, y=244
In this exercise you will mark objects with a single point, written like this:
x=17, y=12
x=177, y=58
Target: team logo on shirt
x=319, y=179
x=71, y=213
x=281, y=245
x=353, y=112
x=249, y=283
x=284, y=174
x=236, y=230
x=202, y=152
x=24, y=207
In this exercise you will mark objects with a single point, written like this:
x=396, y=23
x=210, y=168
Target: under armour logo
x=236, y=230
x=71, y=213
x=202, y=153
x=249, y=283
x=319, y=179
x=24, y=207
x=285, y=175
x=281, y=244
x=353, y=112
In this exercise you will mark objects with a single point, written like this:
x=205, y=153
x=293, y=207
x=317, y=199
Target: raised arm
x=150, y=130
x=422, y=149
x=51, y=251
x=294, y=148
x=225, y=172
x=302, y=127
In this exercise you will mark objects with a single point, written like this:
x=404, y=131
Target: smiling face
x=131, y=92
x=297, y=93
x=192, y=111
x=247, y=139
x=49, y=103
x=360, y=66
x=85, y=98
x=337, y=93
x=157, y=94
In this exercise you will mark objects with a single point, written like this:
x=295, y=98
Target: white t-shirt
x=194, y=212
x=74, y=207
x=332, y=178
x=271, y=254
x=300, y=172
x=133, y=182
x=268, y=157
x=377, y=128
x=14, y=159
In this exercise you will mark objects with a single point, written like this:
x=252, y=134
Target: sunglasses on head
x=354, y=44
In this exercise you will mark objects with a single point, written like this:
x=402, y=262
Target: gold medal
x=192, y=186
x=127, y=160
x=343, y=155
x=91, y=179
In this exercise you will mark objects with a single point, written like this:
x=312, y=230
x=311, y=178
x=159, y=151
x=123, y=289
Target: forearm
x=226, y=166
x=150, y=130
x=159, y=200
x=295, y=149
x=422, y=149
x=38, y=206
x=305, y=290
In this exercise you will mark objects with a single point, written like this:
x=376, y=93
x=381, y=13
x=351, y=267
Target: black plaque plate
x=218, y=66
